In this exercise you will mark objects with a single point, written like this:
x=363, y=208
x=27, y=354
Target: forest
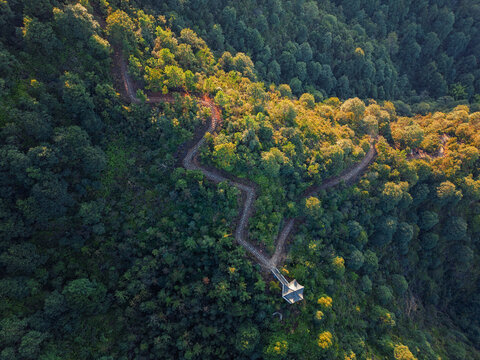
x=111, y=249
x=423, y=52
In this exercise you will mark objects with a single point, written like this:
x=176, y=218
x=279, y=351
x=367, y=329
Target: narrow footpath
x=190, y=162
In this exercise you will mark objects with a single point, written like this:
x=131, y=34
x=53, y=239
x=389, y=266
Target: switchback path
x=190, y=162
x=347, y=176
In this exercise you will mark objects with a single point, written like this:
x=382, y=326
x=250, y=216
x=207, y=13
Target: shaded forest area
x=424, y=53
x=108, y=250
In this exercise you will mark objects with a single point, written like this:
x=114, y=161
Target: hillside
x=422, y=52
x=150, y=177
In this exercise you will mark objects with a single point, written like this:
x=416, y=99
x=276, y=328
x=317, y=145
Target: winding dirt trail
x=190, y=162
x=348, y=176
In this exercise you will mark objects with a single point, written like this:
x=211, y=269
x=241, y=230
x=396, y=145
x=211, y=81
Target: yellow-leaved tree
x=402, y=352
x=325, y=339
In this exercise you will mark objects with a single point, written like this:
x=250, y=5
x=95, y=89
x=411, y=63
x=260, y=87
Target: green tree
x=428, y=219
x=84, y=296
x=174, y=77
x=355, y=260
x=458, y=91
x=225, y=155
x=244, y=64
x=403, y=236
x=247, y=338
x=120, y=28
x=75, y=22
x=80, y=103
x=399, y=285
x=11, y=330
x=455, y=228
x=22, y=258
x=386, y=227
x=365, y=284
x=296, y=85
x=40, y=38
x=447, y=193
x=188, y=36
x=272, y=160
x=370, y=264
x=30, y=345
x=6, y=16
x=55, y=304
x=429, y=241
x=190, y=81
x=384, y=295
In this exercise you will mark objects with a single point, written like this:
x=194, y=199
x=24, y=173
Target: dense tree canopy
x=110, y=250
x=411, y=50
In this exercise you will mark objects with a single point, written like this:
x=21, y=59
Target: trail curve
x=190, y=162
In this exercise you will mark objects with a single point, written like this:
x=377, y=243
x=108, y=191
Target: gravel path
x=347, y=176
x=190, y=162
